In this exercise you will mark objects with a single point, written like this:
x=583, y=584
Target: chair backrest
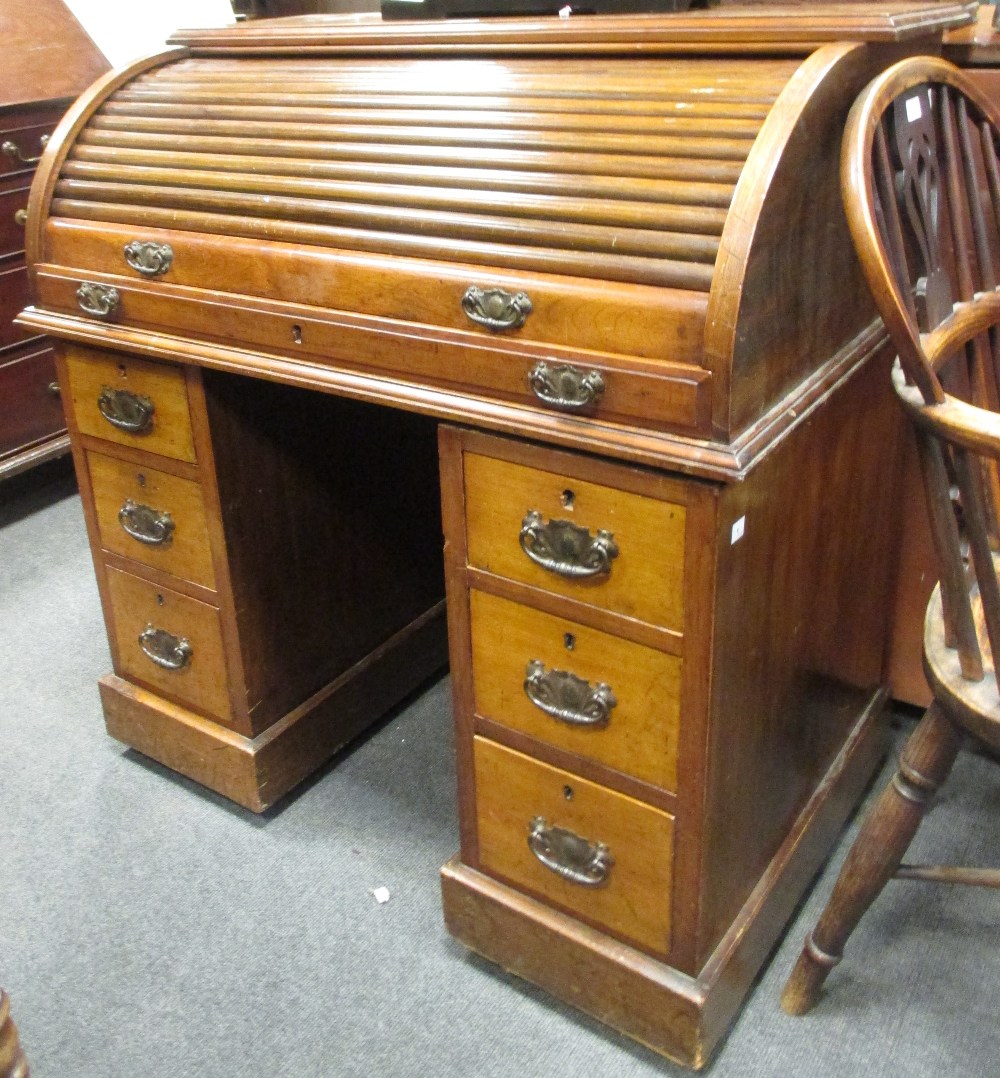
x=920, y=175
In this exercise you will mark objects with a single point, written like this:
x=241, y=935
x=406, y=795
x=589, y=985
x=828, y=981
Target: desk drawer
x=183, y=634
x=29, y=407
x=628, y=549
x=130, y=402
x=516, y=651
x=152, y=517
x=13, y=300
x=12, y=228
x=524, y=806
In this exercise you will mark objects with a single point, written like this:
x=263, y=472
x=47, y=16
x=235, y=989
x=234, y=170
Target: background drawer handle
x=146, y=524
x=566, y=387
x=163, y=648
x=99, y=300
x=565, y=548
x=495, y=308
x=569, y=856
x=126, y=410
x=13, y=151
x=567, y=697
x=149, y=258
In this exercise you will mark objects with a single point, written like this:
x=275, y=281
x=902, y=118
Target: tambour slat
x=732, y=149
x=303, y=95
x=572, y=164
x=623, y=170
x=522, y=230
x=585, y=123
x=698, y=219
x=664, y=273
x=678, y=192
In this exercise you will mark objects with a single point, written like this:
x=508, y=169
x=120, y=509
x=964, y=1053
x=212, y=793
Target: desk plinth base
x=257, y=772
x=679, y=1016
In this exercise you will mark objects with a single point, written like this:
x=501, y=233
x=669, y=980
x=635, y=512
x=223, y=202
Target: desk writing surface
x=593, y=328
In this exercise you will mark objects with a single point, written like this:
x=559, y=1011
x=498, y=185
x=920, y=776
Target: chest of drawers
x=608, y=289
x=48, y=61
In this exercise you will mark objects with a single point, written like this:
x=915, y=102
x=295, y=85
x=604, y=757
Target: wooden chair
x=921, y=181
x=12, y=1061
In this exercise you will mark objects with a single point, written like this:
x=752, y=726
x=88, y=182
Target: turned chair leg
x=12, y=1061
x=876, y=854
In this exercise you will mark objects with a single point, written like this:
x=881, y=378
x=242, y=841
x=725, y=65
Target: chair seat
x=973, y=705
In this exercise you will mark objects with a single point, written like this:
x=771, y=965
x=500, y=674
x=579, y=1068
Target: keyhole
x=567, y=498
x=297, y=334
x=122, y=369
x=568, y=793
x=141, y=479
x=569, y=641
x=159, y=600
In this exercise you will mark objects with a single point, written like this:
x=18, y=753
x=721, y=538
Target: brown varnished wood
x=763, y=269
x=358, y=489
x=648, y=533
x=202, y=683
x=169, y=432
x=787, y=685
x=258, y=772
x=583, y=766
x=13, y=1062
x=451, y=441
x=771, y=29
x=187, y=553
x=641, y=322
x=48, y=54
x=512, y=789
x=33, y=413
x=643, y=633
x=641, y=735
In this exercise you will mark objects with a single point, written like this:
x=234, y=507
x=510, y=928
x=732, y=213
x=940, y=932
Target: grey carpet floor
x=149, y=928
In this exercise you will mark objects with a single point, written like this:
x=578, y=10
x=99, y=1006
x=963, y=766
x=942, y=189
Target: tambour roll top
x=628, y=232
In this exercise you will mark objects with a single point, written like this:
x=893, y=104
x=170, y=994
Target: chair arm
x=954, y=420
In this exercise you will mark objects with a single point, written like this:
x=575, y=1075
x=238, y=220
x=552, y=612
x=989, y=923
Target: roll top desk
x=577, y=294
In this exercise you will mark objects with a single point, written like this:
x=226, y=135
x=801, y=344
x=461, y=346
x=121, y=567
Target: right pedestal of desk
x=667, y=694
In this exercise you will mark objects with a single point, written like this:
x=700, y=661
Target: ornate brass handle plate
x=163, y=648
x=13, y=151
x=565, y=548
x=149, y=258
x=145, y=524
x=566, y=388
x=495, y=308
x=126, y=410
x=566, y=697
x=568, y=855
x=99, y=300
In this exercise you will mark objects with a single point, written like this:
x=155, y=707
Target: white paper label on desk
x=914, y=110
x=738, y=529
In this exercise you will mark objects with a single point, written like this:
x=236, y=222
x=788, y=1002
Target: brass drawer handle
x=147, y=525
x=21, y=217
x=126, y=410
x=495, y=308
x=565, y=548
x=13, y=151
x=100, y=300
x=569, y=856
x=163, y=648
x=565, y=387
x=566, y=697
x=149, y=258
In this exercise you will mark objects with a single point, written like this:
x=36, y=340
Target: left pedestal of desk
x=269, y=561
